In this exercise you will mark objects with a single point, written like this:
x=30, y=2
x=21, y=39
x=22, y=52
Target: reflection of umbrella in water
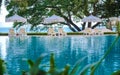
x=53, y=19
x=91, y=18
x=16, y=18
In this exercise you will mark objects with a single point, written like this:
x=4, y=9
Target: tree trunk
x=89, y=24
x=95, y=25
x=71, y=23
x=74, y=25
x=71, y=28
x=109, y=25
x=83, y=25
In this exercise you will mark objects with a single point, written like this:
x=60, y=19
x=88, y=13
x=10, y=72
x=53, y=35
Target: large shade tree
x=71, y=10
x=109, y=8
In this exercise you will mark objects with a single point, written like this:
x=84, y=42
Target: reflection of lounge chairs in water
x=11, y=32
x=51, y=32
x=22, y=32
x=61, y=32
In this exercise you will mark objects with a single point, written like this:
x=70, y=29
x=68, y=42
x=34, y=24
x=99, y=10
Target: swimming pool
x=67, y=50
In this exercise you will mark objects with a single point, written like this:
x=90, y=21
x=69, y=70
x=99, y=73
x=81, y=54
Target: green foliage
x=109, y=8
x=36, y=10
x=2, y=67
x=116, y=73
x=1, y=34
x=118, y=27
x=36, y=33
x=52, y=64
x=77, y=66
x=31, y=63
x=71, y=10
x=110, y=33
x=74, y=33
x=35, y=68
x=69, y=33
x=106, y=53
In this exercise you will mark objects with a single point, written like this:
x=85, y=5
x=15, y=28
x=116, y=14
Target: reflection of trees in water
x=16, y=52
x=62, y=50
x=92, y=46
x=113, y=57
x=17, y=44
x=67, y=50
x=35, y=47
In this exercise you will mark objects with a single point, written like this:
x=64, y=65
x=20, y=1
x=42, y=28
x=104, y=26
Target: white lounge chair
x=11, y=32
x=51, y=32
x=22, y=32
x=106, y=30
x=61, y=32
x=87, y=31
x=97, y=31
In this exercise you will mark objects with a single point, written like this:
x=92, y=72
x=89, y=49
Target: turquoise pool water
x=67, y=50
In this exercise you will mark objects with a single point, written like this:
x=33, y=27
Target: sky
x=3, y=13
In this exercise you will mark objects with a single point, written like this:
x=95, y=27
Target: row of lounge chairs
x=60, y=32
x=21, y=32
x=51, y=32
x=96, y=31
x=89, y=31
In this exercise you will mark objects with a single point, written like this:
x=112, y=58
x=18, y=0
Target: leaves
x=36, y=10
x=52, y=63
x=66, y=70
x=34, y=66
x=2, y=67
x=106, y=53
x=118, y=27
x=77, y=66
x=116, y=73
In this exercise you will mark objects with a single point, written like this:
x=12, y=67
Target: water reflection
x=3, y=41
x=67, y=50
x=16, y=52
